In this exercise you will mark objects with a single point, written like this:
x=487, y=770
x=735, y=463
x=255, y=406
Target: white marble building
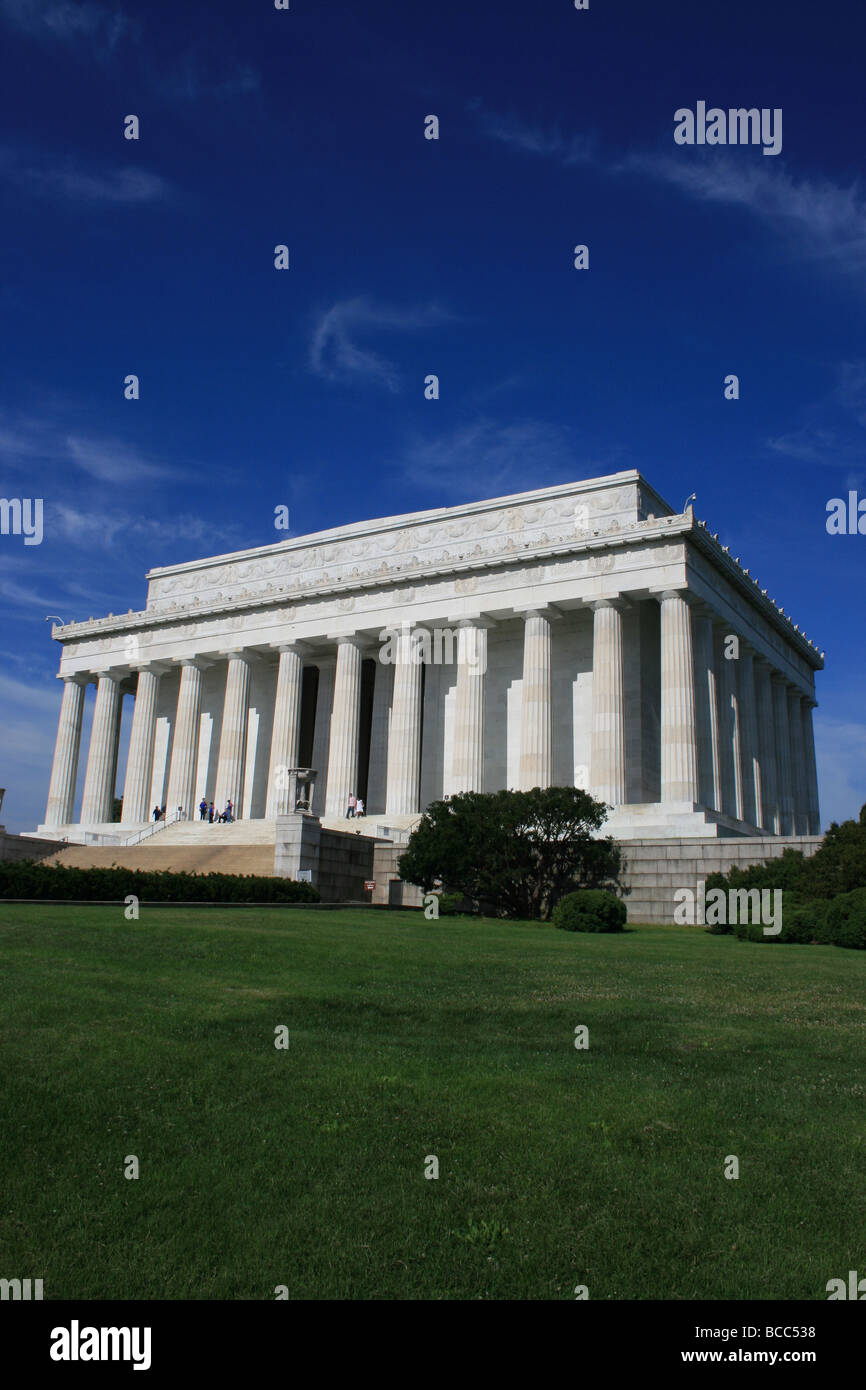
x=592, y=625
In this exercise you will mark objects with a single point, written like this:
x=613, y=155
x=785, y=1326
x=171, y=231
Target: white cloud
x=28, y=438
x=336, y=356
x=840, y=750
x=817, y=218
x=193, y=79
x=121, y=186
x=486, y=458
x=67, y=21
x=28, y=696
x=109, y=461
x=510, y=130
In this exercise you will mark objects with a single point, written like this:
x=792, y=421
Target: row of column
x=100, y=776
x=734, y=735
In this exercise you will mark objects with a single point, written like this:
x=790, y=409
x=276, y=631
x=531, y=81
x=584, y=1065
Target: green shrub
x=26, y=879
x=589, y=909
x=450, y=904
x=846, y=920
x=803, y=923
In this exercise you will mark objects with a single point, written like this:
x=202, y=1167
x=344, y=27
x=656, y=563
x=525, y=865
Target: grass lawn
x=305, y=1167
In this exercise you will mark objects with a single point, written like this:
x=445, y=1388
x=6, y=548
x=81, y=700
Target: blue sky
x=411, y=256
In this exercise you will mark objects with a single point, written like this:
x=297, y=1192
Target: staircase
x=195, y=847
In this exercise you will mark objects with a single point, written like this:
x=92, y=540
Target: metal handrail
x=152, y=829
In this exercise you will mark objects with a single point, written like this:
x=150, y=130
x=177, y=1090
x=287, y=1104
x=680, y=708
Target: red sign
x=369, y=883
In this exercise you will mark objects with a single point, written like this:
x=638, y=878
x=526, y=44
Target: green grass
x=408, y=1038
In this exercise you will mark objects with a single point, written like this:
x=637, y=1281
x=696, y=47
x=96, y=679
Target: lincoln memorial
x=583, y=634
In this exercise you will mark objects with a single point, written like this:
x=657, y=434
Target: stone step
x=202, y=833
x=212, y=859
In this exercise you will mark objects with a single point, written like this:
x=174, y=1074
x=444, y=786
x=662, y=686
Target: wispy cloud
x=510, y=130
x=73, y=182
x=193, y=79
x=851, y=389
x=65, y=21
x=841, y=753
x=27, y=695
x=833, y=435
x=88, y=527
x=110, y=461
x=100, y=30
x=24, y=440
x=821, y=218
x=816, y=217
x=336, y=355
x=486, y=458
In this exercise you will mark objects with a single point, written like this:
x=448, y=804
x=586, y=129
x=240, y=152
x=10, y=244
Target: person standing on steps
x=210, y=814
x=350, y=810
x=202, y=808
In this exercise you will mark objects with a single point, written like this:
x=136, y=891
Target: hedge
x=28, y=879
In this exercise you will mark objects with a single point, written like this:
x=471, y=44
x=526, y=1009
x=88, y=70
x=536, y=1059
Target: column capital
x=538, y=610
x=228, y=654
x=76, y=678
x=671, y=591
x=299, y=648
x=153, y=668
x=478, y=620
x=614, y=601
x=348, y=639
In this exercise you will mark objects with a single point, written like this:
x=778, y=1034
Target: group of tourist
x=355, y=807
x=206, y=812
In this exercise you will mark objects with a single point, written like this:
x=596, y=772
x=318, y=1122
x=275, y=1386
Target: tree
x=513, y=854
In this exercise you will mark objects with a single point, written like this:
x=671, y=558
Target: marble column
x=326, y=667
x=808, y=704
x=345, y=720
x=467, y=760
x=403, y=778
x=286, y=731
x=748, y=721
x=707, y=710
x=679, y=771
x=233, y=738
x=97, y=801
x=64, y=771
x=798, y=763
x=607, y=753
x=783, y=754
x=536, y=714
x=182, y=790
x=139, y=760
x=729, y=723
x=766, y=748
